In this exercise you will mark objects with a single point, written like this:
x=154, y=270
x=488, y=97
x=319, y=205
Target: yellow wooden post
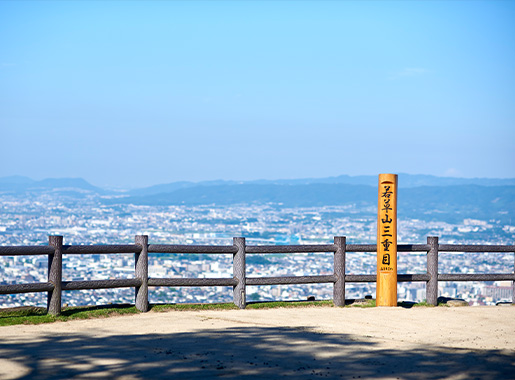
x=386, y=289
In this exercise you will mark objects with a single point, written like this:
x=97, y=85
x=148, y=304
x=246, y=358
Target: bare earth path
x=297, y=343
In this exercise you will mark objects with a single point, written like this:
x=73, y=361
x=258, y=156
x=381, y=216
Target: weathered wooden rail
x=239, y=250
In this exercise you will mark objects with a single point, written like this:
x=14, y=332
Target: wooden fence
x=239, y=250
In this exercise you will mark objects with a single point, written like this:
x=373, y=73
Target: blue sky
x=130, y=94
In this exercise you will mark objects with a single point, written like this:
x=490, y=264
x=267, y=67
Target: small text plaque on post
x=386, y=289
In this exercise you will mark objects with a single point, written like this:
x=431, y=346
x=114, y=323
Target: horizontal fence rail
x=92, y=249
x=26, y=288
x=195, y=249
x=286, y=280
x=141, y=281
x=290, y=248
x=192, y=282
x=101, y=284
x=26, y=250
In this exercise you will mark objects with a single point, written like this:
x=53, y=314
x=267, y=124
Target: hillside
x=449, y=203
x=420, y=196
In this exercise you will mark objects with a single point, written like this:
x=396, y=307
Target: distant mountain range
x=449, y=203
x=20, y=184
x=420, y=196
x=405, y=181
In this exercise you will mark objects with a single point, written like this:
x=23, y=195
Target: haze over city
x=132, y=94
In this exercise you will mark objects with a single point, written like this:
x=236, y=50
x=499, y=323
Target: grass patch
x=424, y=303
x=25, y=315
x=231, y=306
x=193, y=306
x=290, y=304
x=37, y=315
x=362, y=302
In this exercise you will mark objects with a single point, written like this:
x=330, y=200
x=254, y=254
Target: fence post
x=239, y=273
x=55, y=275
x=432, y=271
x=339, y=271
x=141, y=272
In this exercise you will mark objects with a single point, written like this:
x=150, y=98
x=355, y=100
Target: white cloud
x=409, y=72
x=451, y=172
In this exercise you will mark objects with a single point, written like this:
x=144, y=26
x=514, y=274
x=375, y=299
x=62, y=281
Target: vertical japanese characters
x=387, y=241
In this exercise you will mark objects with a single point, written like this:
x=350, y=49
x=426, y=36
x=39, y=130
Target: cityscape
x=226, y=131
x=31, y=218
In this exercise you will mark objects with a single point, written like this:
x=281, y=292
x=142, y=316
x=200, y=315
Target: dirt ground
x=297, y=343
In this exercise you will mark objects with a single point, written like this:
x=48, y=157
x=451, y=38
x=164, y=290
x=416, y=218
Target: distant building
x=497, y=292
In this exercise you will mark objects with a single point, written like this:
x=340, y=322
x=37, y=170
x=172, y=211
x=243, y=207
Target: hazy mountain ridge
x=20, y=184
x=425, y=202
x=16, y=184
x=405, y=181
x=444, y=200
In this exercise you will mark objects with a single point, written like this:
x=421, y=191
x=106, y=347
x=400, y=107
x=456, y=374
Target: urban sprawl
x=30, y=219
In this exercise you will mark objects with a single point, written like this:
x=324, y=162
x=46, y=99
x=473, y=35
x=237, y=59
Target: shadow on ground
x=253, y=352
